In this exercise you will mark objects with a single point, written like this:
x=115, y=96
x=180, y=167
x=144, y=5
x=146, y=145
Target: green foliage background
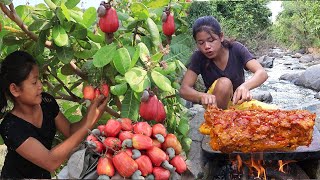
x=245, y=21
x=298, y=25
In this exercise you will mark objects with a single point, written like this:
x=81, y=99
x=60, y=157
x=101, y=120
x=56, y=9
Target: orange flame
x=283, y=163
x=257, y=165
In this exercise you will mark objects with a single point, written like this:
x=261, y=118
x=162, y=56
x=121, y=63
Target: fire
x=282, y=164
x=257, y=166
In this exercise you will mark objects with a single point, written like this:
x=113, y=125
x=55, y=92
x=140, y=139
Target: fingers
x=239, y=98
x=208, y=99
x=97, y=100
x=103, y=105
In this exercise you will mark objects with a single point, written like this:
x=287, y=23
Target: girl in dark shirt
x=221, y=64
x=29, y=128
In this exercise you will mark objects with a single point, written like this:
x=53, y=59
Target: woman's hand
x=207, y=99
x=241, y=94
x=96, y=109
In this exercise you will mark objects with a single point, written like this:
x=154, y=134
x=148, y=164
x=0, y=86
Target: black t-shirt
x=15, y=131
x=238, y=57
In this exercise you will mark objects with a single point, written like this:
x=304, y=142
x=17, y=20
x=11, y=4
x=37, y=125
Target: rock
x=195, y=161
x=317, y=95
x=306, y=58
x=291, y=77
x=310, y=78
x=297, y=55
x=263, y=96
x=266, y=61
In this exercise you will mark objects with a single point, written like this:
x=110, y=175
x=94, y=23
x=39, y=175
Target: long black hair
x=15, y=68
x=210, y=25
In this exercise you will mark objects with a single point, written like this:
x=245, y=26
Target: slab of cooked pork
x=257, y=129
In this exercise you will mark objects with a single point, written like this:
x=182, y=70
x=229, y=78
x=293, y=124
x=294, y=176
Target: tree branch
x=64, y=86
x=11, y=13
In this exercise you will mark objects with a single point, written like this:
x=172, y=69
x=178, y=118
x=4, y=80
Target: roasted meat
x=257, y=129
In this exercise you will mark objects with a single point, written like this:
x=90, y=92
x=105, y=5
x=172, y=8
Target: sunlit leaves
x=155, y=3
x=89, y=17
x=59, y=36
x=65, y=54
x=154, y=32
x=137, y=79
x=104, y=55
x=139, y=11
x=122, y=60
x=71, y=3
x=161, y=81
x=119, y=89
x=130, y=106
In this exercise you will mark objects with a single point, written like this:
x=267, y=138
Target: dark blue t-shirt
x=15, y=131
x=238, y=57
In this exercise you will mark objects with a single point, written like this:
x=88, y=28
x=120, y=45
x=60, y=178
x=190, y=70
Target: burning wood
x=257, y=129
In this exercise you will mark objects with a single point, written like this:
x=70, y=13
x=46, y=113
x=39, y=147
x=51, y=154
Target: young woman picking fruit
x=221, y=64
x=29, y=128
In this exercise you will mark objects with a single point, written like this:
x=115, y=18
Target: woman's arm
x=242, y=93
x=189, y=93
x=50, y=160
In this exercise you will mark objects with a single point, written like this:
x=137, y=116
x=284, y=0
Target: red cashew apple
x=168, y=27
x=126, y=124
x=161, y=173
x=112, y=128
x=179, y=163
x=141, y=142
x=144, y=165
x=152, y=109
x=142, y=128
x=105, y=167
x=109, y=23
x=88, y=92
x=124, y=164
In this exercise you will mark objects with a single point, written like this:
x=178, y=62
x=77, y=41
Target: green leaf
x=76, y=15
x=139, y=10
x=50, y=4
x=79, y=31
x=104, y=55
x=119, y=89
x=161, y=81
x=122, y=60
x=59, y=36
x=156, y=57
x=84, y=44
x=155, y=3
x=186, y=144
x=179, y=51
x=65, y=54
x=89, y=17
x=40, y=44
x=85, y=54
x=137, y=79
x=183, y=127
x=71, y=3
x=97, y=38
x=37, y=25
x=144, y=53
x=154, y=31
x=130, y=106
x=171, y=68
x=65, y=11
x=71, y=110
x=24, y=13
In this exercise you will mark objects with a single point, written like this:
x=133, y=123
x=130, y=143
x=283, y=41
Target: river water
x=285, y=94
